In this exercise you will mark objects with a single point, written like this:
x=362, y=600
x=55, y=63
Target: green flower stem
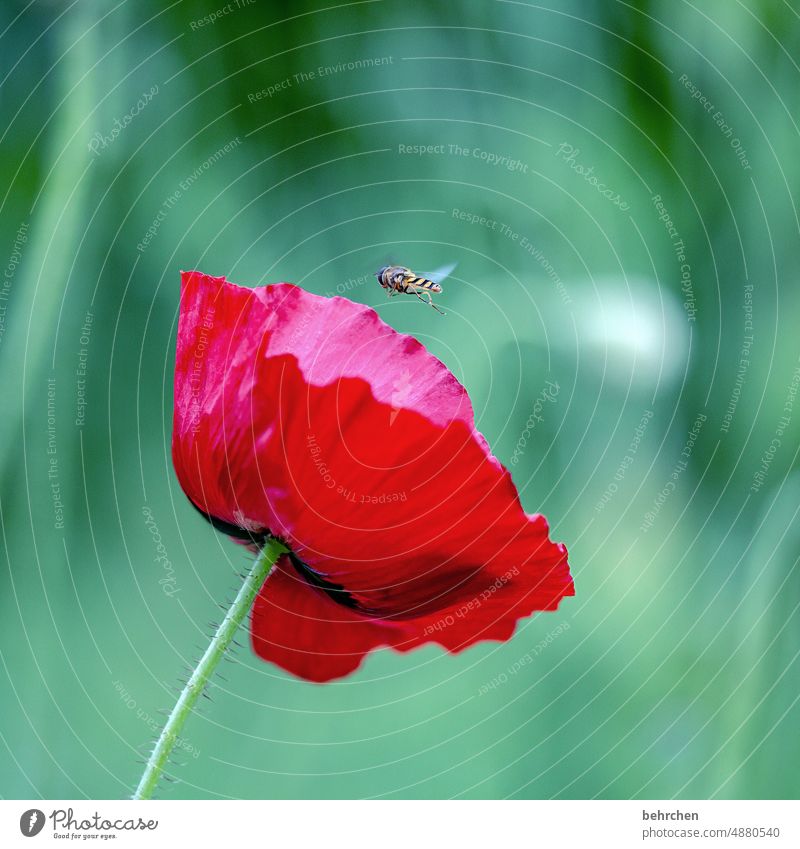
x=208, y=663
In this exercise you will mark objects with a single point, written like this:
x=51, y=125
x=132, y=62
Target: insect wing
x=441, y=273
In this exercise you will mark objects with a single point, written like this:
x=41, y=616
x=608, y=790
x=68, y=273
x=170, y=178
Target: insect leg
x=429, y=302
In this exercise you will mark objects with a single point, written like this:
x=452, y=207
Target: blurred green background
x=636, y=164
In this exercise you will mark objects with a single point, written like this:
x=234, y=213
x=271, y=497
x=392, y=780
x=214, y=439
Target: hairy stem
x=208, y=663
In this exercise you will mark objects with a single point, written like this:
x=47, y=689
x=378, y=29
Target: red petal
x=300, y=629
x=377, y=479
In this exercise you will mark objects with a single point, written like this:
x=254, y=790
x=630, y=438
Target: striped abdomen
x=422, y=283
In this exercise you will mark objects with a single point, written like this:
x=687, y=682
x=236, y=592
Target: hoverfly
x=398, y=278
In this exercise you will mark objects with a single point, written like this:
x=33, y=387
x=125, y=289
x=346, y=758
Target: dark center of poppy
x=258, y=538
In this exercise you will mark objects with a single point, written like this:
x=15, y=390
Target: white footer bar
x=402, y=824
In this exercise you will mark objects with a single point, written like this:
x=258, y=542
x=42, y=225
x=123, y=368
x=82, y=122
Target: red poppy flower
x=310, y=419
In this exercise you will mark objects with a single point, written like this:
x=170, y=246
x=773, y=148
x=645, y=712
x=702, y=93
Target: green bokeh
x=678, y=673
